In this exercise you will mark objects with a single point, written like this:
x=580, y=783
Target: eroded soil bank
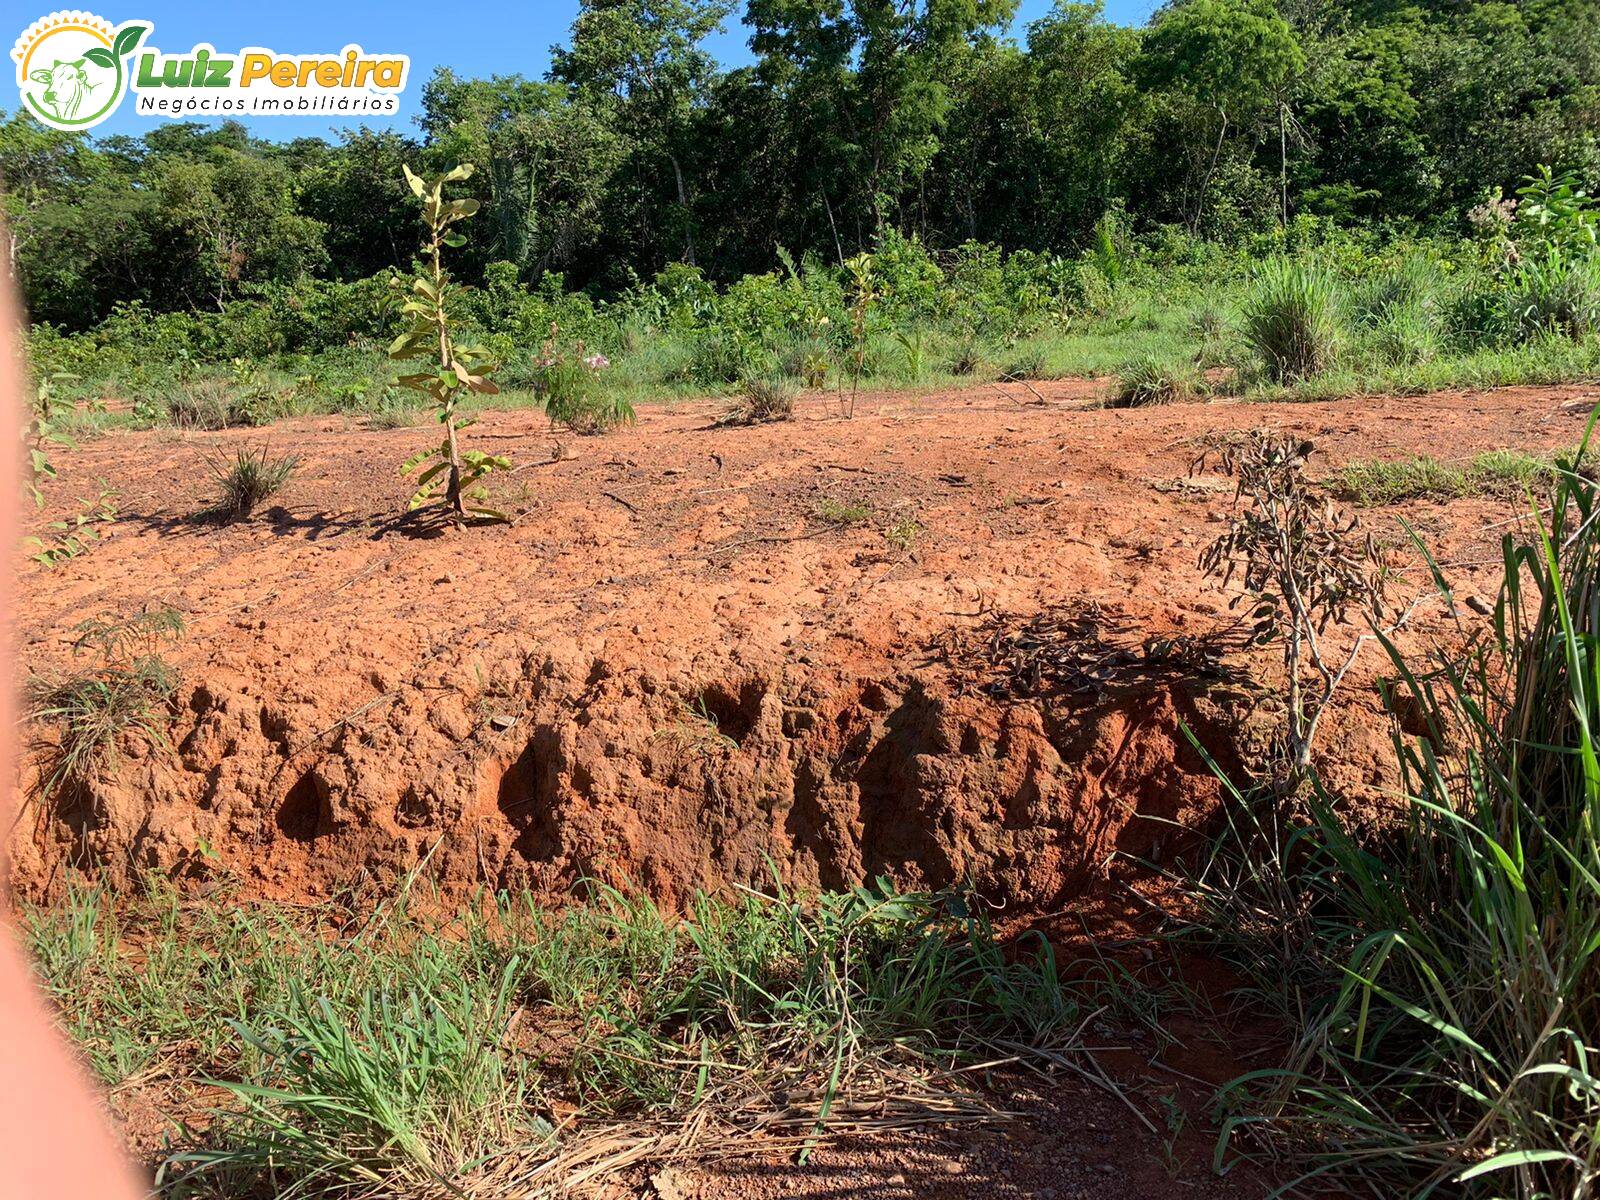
x=702, y=655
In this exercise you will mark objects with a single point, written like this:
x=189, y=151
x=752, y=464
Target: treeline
x=1220, y=120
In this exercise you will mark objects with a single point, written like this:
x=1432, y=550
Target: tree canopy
x=928, y=117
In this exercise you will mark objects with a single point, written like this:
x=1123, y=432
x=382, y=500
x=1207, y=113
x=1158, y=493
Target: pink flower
x=597, y=362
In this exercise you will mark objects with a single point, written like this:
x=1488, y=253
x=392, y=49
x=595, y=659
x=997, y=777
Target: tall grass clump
x=248, y=478
x=1152, y=379
x=1442, y=974
x=1398, y=312
x=1292, y=320
x=761, y=402
x=1556, y=293
x=119, y=685
x=401, y=1091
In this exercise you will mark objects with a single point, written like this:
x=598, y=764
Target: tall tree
x=647, y=58
x=876, y=73
x=549, y=159
x=38, y=166
x=1226, y=65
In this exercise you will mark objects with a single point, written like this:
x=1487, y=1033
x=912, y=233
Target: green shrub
x=572, y=389
x=762, y=401
x=246, y=479
x=726, y=356
x=1557, y=293
x=1150, y=379
x=1292, y=319
x=1440, y=973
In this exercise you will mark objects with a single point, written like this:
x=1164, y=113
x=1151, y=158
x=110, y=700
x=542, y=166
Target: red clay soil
x=685, y=664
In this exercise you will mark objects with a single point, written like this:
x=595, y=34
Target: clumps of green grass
x=123, y=685
x=967, y=360
x=204, y=403
x=430, y=1049
x=1028, y=365
x=1292, y=319
x=1210, y=328
x=246, y=479
x=841, y=512
x=1151, y=379
x=903, y=534
x=1439, y=972
x=761, y=402
x=1398, y=312
x=1371, y=483
x=1555, y=295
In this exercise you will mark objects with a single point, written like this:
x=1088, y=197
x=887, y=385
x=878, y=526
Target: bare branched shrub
x=1302, y=566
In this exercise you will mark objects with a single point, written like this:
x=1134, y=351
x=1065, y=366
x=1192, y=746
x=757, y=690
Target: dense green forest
x=1006, y=183
x=1219, y=119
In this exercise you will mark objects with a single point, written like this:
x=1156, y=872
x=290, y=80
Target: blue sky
x=482, y=38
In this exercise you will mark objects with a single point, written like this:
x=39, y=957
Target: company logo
x=74, y=69
x=71, y=67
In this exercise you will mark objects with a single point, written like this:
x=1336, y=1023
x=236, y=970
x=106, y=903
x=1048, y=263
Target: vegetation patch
x=1375, y=482
x=1150, y=380
x=761, y=402
x=437, y=1053
x=1416, y=1067
x=841, y=512
x=242, y=482
x=124, y=685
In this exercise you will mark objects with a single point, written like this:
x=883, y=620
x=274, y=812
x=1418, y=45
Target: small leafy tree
x=1557, y=212
x=42, y=430
x=863, y=294
x=456, y=369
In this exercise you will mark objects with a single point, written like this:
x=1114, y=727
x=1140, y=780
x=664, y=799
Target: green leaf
x=100, y=57
x=127, y=39
x=415, y=180
x=405, y=343
x=1515, y=1158
x=432, y=473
